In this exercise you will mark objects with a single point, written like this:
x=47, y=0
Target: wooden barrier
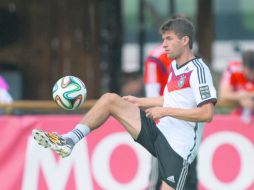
x=43, y=105
x=49, y=105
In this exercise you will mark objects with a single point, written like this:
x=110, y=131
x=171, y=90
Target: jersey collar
x=179, y=67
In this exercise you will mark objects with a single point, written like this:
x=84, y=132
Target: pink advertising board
x=110, y=159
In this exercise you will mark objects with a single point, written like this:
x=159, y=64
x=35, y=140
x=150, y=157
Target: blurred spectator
x=132, y=84
x=156, y=70
x=237, y=86
x=5, y=96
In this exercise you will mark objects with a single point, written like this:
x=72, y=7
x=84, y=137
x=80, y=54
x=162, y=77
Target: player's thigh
x=165, y=186
x=127, y=114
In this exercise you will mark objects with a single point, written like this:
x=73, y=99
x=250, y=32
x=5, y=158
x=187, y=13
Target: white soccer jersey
x=188, y=86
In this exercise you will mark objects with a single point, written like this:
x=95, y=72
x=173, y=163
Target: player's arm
x=203, y=113
x=145, y=103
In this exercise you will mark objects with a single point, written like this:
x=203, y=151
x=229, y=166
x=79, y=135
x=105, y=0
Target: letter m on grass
x=56, y=172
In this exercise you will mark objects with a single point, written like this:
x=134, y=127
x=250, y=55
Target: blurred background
x=105, y=43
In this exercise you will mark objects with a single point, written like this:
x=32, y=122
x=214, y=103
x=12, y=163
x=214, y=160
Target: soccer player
x=187, y=103
x=157, y=66
x=237, y=85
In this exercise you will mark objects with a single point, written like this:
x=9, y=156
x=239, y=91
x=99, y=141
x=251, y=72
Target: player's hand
x=132, y=99
x=155, y=113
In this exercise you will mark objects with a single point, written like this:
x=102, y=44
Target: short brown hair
x=181, y=27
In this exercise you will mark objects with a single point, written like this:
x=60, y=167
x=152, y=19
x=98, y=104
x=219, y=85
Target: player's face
x=172, y=44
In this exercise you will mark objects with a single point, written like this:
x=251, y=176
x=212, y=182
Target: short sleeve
x=201, y=83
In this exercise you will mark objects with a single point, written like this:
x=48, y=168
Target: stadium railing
x=49, y=106
x=39, y=105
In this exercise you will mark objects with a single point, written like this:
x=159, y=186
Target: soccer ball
x=69, y=92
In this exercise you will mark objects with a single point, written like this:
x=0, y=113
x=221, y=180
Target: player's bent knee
x=109, y=98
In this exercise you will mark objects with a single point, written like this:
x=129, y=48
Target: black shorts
x=173, y=168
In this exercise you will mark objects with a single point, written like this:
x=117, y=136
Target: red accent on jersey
x=234, y=77
x=178, y=82
x=161, y=68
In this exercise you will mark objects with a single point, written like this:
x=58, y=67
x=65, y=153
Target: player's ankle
x=78, y=133
x=69, y=141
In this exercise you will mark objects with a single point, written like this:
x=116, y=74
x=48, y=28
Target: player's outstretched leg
x=62, y=146
x=109, y=104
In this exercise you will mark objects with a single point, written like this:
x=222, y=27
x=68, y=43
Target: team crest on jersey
x=181, y=82
x=178, y=82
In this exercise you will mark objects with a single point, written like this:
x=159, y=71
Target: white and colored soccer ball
x=69, y=92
